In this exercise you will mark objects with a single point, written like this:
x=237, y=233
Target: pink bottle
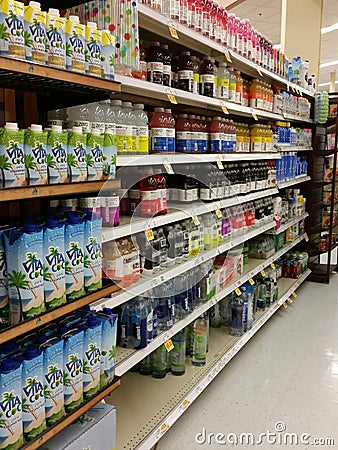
x=161, y=192
x=232, y=31
x=223, y=18
x=198, y=16
x=239, y=36
x=213, y=20
x=191, y=18
x=184, y=12
x=148, y=194
x=207, y=6
x=175, y=9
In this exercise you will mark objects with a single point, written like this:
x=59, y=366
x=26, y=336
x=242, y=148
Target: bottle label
x=86, y=126
x=110, y=128
x=174, y=9
x=232, y=92
x=159, y=140
x=171, y=139
x=183, y=141
x=155, y=72
x=142, y=139
x=216, y=142
x=206, y=193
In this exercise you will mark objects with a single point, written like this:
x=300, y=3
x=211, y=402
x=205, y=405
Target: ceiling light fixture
x=333, y=27
x=329, y=64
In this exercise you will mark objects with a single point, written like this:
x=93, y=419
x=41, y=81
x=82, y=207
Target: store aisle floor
x=287, y=373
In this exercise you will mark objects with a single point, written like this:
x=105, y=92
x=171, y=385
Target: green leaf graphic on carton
x=4, y=34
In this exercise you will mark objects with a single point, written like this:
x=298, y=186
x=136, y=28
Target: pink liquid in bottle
x=198, y=16
x=191, y=17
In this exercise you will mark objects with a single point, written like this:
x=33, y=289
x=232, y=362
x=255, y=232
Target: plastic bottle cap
x=77, y=130
x=36, y=128
x=8, y=364
x=183, y=116
x=73, y=219
x=57, y=128
x=185, y=53
x=53, y=12
x=116, y=102
x=32, y=352
x=127, y=105
x=75, y=19
x=52, y=222
x=167, y=110
x=95, y=132
x=92, y=25
x=107, y=311
x=11, y=126
x=138, y=106
x=155, y=43
x=92, y=322
x=35, y=5
x=165, y=46
x=29, y=227
x=159, y=109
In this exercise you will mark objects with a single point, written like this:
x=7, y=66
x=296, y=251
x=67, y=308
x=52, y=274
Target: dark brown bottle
x=185, y=72
x=155, y=63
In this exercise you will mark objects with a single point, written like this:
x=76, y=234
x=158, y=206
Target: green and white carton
x=77, y=155
x=108, y=346
x=12, y=161
x=36, y=155
x=95, y=141
x=93, y=253
x=57, y=144
x=4, y=303
x=109, y=156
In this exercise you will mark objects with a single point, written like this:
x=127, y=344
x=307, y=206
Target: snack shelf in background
x=151, y=418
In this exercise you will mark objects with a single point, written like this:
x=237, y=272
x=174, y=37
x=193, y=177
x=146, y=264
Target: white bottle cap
x=127, y=104
x=138, y=106
x=92, y=25
x=57, y=128
x=53, y=12
x=35, y=5
x=11, y=126
x=77, y=130
x=36, y=128
x=75, y=19
x=96, y=132
x=116, y=102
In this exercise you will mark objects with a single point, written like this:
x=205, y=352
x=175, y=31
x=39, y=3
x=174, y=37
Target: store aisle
x=287, y=373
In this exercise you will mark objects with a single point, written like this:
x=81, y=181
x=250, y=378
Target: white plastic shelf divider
x=180, y=158
x=154, y=414
x=136, y=224
x=148, y=283
x=297, y=180
x=289, y=224
x=150, y=20
x=293, y=148
x=128, y=358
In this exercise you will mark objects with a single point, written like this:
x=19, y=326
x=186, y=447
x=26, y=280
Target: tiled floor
x=287, y=373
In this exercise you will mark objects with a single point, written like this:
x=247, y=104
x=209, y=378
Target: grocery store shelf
x=30, y=325
x=294, y=118
x=294, y=181
x=56, y=190
x=133, y=225
x=154, y=21
x=70, y=418
x=181, y=158
x=148, y=283
x=39, y=78
x=128, y=358
x=157, y=404
x=293, y=148
x=289, y=224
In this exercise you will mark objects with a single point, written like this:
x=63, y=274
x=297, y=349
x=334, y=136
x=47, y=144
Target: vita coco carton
x=57, y=144
x=53, y=380
x=93, y=253
x=75, y=45
x=25, y=272
x=77, y=155
x=33, y=397
x=56, y=39
x=74, y=253
x=35, y=33
x=108, y=346
x=4, y=303
x=95, y=142
x=109, y=156
x=11, y=429
x=108, y=55
x=12, y=162
x=36, y=155
x=54, y=264
x=12, y=29
x=94, y=49
x=91, y=357
x=73, y=369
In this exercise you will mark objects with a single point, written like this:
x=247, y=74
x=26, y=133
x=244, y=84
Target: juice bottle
x=207, y=77
x=131, y=130
x=108, y=346
x=185, y=72
x=92, y=253
x=112, y=262
x=239, y=87
x=216, y=130
x=148, y=193
x=191, y=14
x=35, y=32
x=170, y=130
x=223, y=76
x=194, y=133
x=121, y=126
x=183, y=11
x=77, y=155
x=166, y=65
x=196, y=75
x=76, y=45
x=91, y=357
x=207, y=5
x=57, y=145
x=232, y=85
x=183, y=134
x=198, y=15
x=95, y=143
x=159, y=125
x=155, y=63
x=56, y=39
x=161, y=192
x=204, y=141
x=141, y=122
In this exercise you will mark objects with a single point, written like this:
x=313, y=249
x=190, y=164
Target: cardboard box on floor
x=99, y=433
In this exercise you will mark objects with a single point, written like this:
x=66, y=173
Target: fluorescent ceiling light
x=326, y=84
x=329, y=64
x=333, y=27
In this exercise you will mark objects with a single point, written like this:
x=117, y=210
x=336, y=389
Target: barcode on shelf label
x=168, y=168
x=173, y=32
x=149, y=234
x=220, y=165
x=196, y=220
x=263, y=273
x=169, y=345
x=294, y=295
x=172, y=98
x=285, y=305
x=290, y=300
x=238, y=291
x=227, y=55
x=251, y=281
x=219, y=213
x=272, y=266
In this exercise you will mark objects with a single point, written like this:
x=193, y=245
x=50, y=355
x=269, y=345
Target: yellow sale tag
x=225, y=110
x=227, y=55
x=196, y=220
x=254, y=115
x=251, y=281
x=259, y=72
x=263, y=273
x=173, y=32
x=168, y=168
x=185, y=403
x=172, y=98
x=219, y=213
x=290, y=300
x=220, y=165
x=169, y=345
x=149, y=234
x=285, y=305
x=238, y=291
x=306, y=237
x=272, y=266
x=164, y=427
x=294, y=295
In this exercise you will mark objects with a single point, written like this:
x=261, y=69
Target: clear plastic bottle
x=199, y=341
x=131, y=129
x=207, y=77
x=121, y=126
x=159, y=362
x=177, y=355
x=232, y=85
x=196, y=75
x=223, y=76
x=237, y=307
x=141, y=122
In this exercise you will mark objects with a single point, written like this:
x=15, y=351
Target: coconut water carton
x=73, y=369
x=4, y=303
x=77, y=155
x=36, y=155
x=33, y=397
x=35, y=33
x=93, y=253
x=108, y=55
x=109, y=156
x=91, y=358
x=11, y=429
x=75, y=45
x=95, y=142
x=74, y=253
x=54, y=264
x=57, y=144
x=56, y=39
x=12, y=41
x=94, y=49
x=12, y=167
x=108, y=346
x=53, y=380
x=25, y=272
